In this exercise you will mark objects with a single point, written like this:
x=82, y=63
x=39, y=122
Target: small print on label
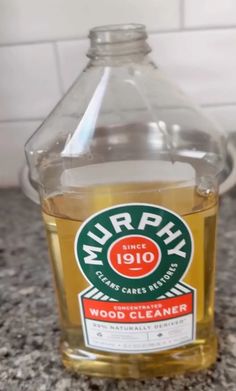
x=138, y=327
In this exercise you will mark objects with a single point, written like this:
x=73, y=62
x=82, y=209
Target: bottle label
x=134, y=257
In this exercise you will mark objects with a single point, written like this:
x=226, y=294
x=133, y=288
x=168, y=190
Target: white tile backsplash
x=210, y=13
x=30, y=20
x=203, y=73
x=203, y=63
x=13, y=136
x=29, y=81
x=195, y=45
x=72, y=59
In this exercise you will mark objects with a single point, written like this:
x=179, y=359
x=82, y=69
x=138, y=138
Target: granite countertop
x=29, y=333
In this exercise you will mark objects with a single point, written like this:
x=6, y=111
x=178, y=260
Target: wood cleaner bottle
x=127, y=171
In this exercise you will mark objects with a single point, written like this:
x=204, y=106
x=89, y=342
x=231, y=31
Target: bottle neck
x=118, y=44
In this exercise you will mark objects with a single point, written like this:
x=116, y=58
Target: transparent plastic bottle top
x=127, y=170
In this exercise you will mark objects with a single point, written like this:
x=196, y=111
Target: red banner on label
x=142, y=312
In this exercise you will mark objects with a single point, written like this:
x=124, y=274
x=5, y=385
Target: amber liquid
x=63, y=215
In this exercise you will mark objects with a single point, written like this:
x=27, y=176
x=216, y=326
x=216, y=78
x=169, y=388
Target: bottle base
x=189, y=358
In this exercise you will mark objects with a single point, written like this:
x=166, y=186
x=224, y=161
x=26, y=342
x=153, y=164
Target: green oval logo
x=134, y=252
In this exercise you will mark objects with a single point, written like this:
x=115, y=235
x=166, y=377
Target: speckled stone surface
x=29, y=333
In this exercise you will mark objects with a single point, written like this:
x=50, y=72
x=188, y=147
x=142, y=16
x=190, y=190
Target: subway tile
x=27, y=20
x=72, y=60
x=202, y=63
x=224, y=115
x=210, y=13
x=13, y=137
x=29, y=81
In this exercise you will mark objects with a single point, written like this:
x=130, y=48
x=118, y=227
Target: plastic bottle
x=127, y=171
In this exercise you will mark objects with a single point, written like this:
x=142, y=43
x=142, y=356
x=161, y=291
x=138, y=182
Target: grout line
x=209, y=28
x=13, y=120
x=43, y=41
x=212, y=28
x=58, y=67
x=217, y=105
x=182, y=13
x=169, y=31
x=196, y=28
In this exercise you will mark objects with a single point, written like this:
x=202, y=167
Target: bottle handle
x=230, y=181
x=26, y=185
